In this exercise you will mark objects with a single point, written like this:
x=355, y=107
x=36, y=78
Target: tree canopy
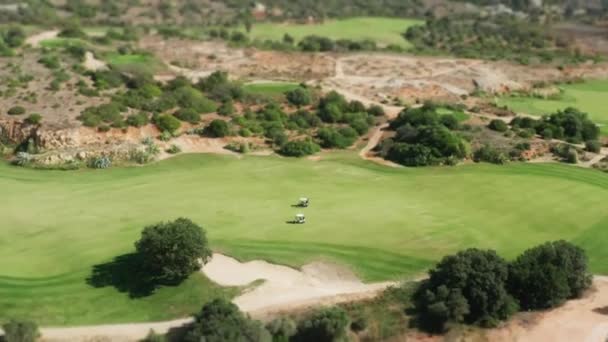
x=173, y=250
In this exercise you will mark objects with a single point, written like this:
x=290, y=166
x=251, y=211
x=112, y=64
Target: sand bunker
x=284, y=286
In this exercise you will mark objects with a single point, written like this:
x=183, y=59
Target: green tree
x=217, y=129
x=221, y=321
x=326, y=325
x=469, y=287
x=299, y=97
x=547, y=275
x=282, y=329
x=299, y=148
x=168, y=123
x=171, y=251
x=498, y=125
x=20, y=331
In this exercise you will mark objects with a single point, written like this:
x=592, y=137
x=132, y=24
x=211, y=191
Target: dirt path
x=374, y=139
x=284, y=289
x=584, y=319
x=35, y=40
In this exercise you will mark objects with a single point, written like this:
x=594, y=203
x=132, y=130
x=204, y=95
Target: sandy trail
x=283, y=289
x=92, y=63
x=35, y=40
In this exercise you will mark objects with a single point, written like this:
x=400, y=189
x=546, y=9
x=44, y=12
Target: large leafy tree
x=547, y=275
x=171, y=251
x=469, y=287
x=221, y=321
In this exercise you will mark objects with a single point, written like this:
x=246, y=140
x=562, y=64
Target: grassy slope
x=589, y=97
x=385, y=223
x=382, y=30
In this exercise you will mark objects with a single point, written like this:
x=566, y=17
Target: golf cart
x=303, y=202
x=300, y=219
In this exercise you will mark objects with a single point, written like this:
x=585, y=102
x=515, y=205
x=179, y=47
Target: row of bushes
x=479, y=287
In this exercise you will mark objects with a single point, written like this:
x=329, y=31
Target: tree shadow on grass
x=126, y=274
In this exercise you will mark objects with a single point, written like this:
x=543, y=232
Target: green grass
x=384, y=223
x=144, y=62
x=274, y=89
x=384, y=31
x=56, y=43
x=589, y=97
x=458, y=114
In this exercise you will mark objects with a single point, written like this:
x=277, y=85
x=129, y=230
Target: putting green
x=383, y=31
x=589, y=97
x=385, y=223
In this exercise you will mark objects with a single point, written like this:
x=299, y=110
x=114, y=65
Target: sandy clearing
x=284, y=286
x=584, y=319
x=35, y=40
x=92, y=63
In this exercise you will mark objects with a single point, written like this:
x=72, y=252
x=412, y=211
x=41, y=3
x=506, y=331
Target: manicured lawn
x=384, y=223
x=144, y=62
x=384, y=31
x=590, y=97
x=275, y=89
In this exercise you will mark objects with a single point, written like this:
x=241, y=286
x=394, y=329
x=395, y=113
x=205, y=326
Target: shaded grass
x=385, y=223
x=141, y=62
x=383, y=31
x=589, y=96
x=273, y=90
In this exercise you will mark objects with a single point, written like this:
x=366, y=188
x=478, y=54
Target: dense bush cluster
x=500, y=37
x=220, y=320
x=569, y=124
x=479, y=287
x=423, y=137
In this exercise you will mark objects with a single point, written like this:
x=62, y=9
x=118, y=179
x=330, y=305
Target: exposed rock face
x=61, y=146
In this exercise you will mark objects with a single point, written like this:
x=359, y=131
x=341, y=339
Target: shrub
x=220, y=320
x=20, y=331
x=469, y=287
x=102, y=162
x=33, y=119
x=138, y=120
x=189, y=115
x=217, y=129
x=16, y=110
x=547, y=275
x=227, y=108
x=593, y=146
x=490, y=155
x=299, y=97
x=299, y=148
x=326, y=325
x=498, y=125
x=174, y=149
x=172, y=250
x=449, y=121
x=168, y=123
x=282, y=329
x=336, y=138
x=376, y=110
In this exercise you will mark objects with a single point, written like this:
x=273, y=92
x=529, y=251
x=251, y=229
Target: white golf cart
x=303, y=202
x=300, y=219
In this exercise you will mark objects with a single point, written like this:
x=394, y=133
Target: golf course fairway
x=385, y=223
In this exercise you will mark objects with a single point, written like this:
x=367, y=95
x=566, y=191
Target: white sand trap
x=92, y=63
x=35, y=40
x=285, y=287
